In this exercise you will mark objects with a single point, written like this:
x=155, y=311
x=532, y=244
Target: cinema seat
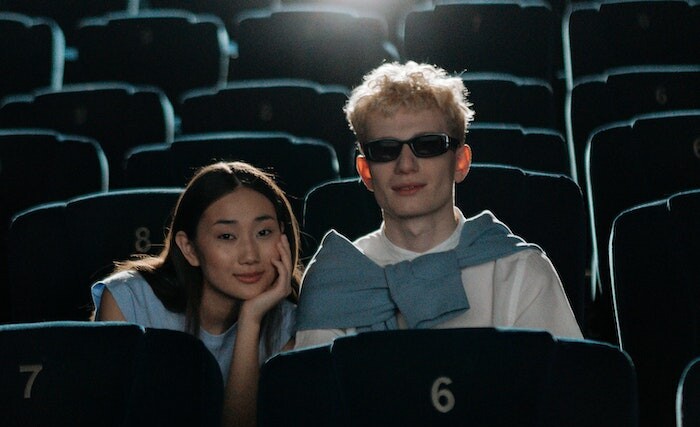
x=111, y=374
x=50, y=278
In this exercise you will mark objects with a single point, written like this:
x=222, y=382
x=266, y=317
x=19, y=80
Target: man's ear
x=187, y=248
x=362, y=166
x=463, y=157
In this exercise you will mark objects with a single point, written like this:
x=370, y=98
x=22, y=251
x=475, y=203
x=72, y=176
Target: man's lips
x=249, y=277
x=407, y=189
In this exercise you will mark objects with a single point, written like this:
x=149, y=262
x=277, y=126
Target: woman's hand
x=255, y=308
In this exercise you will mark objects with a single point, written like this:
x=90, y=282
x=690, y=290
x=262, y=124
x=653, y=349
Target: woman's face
x=236, y=240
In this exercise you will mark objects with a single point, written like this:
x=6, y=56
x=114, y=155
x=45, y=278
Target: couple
x=230, y=271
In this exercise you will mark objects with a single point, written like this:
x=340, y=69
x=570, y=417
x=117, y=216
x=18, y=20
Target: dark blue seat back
x=602, y=35
x=50, y=278
x=175, y=51
x=534, y=149
x=446, y=377
x=653, y=252
x=514, y=37
x=506, y=98
x=326, y=45
x=298, y=388
x=688, y=397
x=111, y=374
x=20, y=71
x=298, y=163
x=300, y=107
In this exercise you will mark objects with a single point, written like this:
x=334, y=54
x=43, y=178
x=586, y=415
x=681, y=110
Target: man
x=427, y=266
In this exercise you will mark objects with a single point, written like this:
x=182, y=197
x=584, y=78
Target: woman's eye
x=265, y=232
x=226, y=236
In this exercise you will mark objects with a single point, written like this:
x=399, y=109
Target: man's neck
x=420, y=234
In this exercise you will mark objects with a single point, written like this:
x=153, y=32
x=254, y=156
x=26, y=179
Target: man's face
x=411, y=187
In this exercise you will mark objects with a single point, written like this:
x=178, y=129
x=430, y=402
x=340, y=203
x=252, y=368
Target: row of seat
x=120, y=374
x=173, y=50
x=305, y=108
x=479, y=376
x=331, y=45
x=121, y=116
x=68, y=14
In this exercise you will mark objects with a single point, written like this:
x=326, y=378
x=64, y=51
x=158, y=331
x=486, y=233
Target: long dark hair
x=174, y=280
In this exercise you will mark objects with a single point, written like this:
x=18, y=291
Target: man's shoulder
x=532, y=259
x=531, y=255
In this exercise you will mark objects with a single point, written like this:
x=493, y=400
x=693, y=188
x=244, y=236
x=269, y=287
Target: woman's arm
x=108, y=309
x=240, y=394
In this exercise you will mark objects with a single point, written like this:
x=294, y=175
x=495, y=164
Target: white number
x=34, y=369
x=443, y=399
x=143, y=240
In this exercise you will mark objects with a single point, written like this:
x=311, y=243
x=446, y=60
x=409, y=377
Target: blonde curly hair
x=412, y=86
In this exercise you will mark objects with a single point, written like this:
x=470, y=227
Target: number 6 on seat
x=483, y=377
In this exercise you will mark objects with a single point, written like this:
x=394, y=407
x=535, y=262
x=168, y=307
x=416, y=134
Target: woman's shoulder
x=124, y=277
x=125, y=284
x=136, y=300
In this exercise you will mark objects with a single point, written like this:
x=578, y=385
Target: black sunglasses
x=388, y=149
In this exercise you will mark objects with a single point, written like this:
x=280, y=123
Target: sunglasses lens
x=387, y=150
x=429, y=145
x=383, y=150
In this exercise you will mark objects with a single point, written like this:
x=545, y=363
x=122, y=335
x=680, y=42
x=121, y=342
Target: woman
x=229, y=274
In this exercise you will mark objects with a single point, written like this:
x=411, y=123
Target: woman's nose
x=249, y=252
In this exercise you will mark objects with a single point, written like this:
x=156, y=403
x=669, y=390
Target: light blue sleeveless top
x=139, y=304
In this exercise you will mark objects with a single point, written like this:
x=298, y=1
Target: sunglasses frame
x=448, y=143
